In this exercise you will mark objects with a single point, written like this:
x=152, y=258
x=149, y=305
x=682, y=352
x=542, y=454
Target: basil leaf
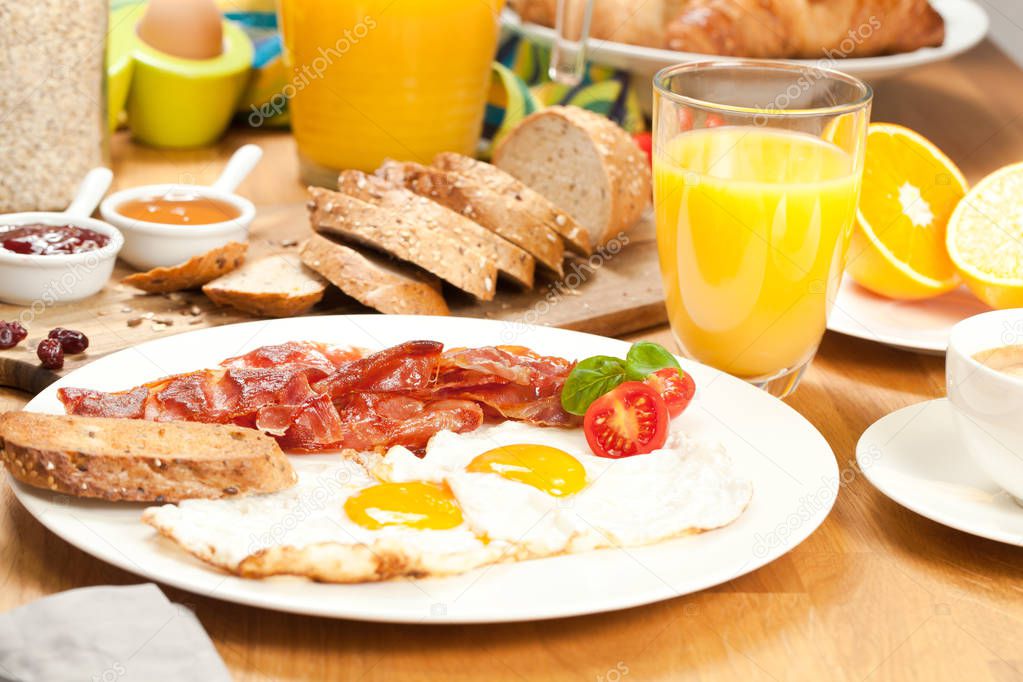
x=645, y=358
x=590, y=379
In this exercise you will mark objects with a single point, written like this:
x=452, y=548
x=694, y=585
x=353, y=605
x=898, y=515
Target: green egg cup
x=182, y=103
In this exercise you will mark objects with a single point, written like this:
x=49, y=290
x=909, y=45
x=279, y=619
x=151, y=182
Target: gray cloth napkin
x=110, y=634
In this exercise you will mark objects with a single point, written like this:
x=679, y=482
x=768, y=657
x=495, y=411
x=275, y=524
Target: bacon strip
x=406, y=367
x=314, y=397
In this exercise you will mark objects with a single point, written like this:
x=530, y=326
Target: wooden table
x=877, y=592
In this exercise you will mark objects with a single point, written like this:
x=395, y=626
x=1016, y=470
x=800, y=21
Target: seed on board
x=134, y=322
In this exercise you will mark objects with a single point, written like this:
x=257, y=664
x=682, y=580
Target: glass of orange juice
x=757, y=169
x=376, y=79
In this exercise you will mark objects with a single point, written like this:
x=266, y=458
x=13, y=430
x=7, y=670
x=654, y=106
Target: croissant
x=755, y=28
x=807, y=29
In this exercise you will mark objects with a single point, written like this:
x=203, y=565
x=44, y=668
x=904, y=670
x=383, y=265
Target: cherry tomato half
x=713, y=121
x=630, y=420
x=675, y=386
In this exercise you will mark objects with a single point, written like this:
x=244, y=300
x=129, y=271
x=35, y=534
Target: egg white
x=686, y=486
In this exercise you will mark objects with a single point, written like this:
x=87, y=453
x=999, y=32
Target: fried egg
x=542, y=491
x=500, y=493
x=336, y=524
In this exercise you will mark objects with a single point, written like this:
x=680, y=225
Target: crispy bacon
x=314, y=397
x=406, y=367
x=88, y=403
x=309, y=354
x=511, y=381
x=384, y=419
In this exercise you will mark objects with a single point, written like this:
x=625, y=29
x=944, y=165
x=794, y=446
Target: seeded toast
x=387, y=190
x=480, y=173
x=140, y=461
x=405, y=235
x=374, y=280
x=274, y=286
x=477, y=201
x=193, y=273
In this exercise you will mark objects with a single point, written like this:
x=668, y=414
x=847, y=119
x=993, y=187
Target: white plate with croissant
x=869, y=39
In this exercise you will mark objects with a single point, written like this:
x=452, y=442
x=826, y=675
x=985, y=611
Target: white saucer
x=915, y=457
x=921, y=326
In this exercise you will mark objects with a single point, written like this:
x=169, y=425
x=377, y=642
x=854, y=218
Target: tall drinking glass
x=757, y=169
x=377, y=79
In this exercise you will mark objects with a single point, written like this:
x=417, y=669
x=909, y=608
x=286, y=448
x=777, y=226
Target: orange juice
x=752, y=229
x=372, y=79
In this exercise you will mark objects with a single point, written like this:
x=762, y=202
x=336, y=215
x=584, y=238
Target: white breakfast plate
x=915, y=457
x=792, y=468
x=921, y=326
x=966, y=24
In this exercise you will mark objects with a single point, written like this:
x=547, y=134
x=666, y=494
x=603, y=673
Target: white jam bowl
x=31, y=280
x=149, y=245
x=988, y=404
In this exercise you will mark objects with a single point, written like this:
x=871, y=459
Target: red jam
x=50, y=240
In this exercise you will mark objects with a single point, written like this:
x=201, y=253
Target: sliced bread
x=406, y=235
x=274, y=286
x=374, y=280
x=387, y=191
x=574, y=235
x=584, y=163
x=193, y=273
x=140, y=461
x=476, y=200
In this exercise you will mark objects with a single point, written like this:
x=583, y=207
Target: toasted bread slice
x=584, y=163
x=387, y=190
x=191, y=274
x=274, y=286
x=140, y=461
x=373, y=280
x=501, y=214
x=407, y=235
x=480, y=173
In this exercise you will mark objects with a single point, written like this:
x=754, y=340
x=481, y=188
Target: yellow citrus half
x=985, y=238
x=910, y=189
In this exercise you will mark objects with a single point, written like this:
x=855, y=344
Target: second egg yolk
x=549, y=469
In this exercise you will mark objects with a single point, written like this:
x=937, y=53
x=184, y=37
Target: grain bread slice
x=406, y=235
x=584, y=163
x=140, y=461
x=575, y=237
x=274, y=286
x=374, y=280
x=494, y=210
x=387, y=190
x=193, y=273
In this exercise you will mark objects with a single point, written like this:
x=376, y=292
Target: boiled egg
x=189, y=29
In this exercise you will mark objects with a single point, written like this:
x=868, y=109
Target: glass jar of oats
x=52, y=100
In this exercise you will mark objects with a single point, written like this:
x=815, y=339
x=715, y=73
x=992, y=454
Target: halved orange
x=910, y=189
x=985, y=238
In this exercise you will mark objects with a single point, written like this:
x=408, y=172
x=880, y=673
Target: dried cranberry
x=71, y=341
x=11, y=334
x=50, y=353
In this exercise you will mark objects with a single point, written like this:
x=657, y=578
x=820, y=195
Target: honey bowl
x=166, y=224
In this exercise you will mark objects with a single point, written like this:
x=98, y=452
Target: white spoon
x=90, y=192
x=238, y=167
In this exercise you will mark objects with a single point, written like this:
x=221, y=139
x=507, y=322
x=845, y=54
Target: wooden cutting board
x=612, y=295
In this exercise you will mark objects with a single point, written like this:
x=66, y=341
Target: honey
x=179, y=208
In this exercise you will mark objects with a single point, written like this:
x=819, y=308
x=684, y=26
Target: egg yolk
x=551, y=470
x=416, y=504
